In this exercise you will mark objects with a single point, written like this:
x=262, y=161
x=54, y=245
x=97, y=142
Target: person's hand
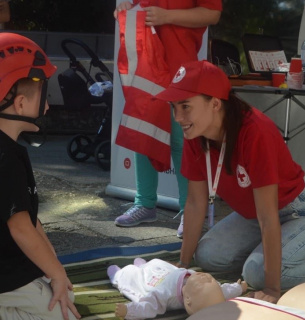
x=60, y=289
x=244, y=285
x=120, y=310
x=126, y=5
x=155, y=16
x=268, y=295
x=180, y=264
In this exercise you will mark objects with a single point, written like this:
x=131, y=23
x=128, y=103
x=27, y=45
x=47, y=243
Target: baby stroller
x=80, y=90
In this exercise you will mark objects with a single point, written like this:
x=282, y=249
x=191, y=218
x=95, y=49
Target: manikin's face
x=195, y=116
x=200, y=291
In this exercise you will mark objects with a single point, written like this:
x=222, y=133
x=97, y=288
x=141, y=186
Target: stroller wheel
x=79, y=148
x=102, y=155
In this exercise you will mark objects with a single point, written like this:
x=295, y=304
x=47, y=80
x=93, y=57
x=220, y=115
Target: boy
x=26, y=254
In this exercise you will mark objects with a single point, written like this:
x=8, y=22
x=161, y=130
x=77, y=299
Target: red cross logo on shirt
x=242, y=177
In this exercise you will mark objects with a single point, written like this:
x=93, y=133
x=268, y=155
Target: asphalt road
x=75, y=211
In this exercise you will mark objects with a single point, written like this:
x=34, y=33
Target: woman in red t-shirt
x=236, y=151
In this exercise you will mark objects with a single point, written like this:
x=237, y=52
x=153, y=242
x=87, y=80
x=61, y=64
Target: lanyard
x=213, y=186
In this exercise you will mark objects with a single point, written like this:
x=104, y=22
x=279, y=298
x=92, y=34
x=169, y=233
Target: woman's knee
x=253, y=272
x=215, y=254
x=208, y=257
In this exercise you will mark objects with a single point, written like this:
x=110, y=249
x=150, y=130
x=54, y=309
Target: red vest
x=146, y=122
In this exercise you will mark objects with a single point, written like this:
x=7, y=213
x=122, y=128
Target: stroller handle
x=96, y=62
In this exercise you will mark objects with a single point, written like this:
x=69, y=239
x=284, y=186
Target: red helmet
x=20, y=58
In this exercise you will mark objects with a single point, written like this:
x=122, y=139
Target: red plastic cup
x=278, y=79
x=295, y=65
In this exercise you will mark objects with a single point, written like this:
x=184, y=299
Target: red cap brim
x=174, y=94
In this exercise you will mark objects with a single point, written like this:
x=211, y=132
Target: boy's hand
x=35, y=245
x=120, y=310
x=126, y=5
x=60, y=289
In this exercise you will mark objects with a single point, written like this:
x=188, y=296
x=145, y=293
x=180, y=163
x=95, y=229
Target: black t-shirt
x=17, y=193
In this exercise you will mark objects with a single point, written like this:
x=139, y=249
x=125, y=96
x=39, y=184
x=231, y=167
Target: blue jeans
x=234, y=244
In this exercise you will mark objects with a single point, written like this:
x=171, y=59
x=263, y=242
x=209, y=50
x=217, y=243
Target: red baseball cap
x=194, y=78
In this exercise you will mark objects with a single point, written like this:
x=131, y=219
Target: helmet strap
x=9, y=101
x=43, y=98
x=40, y=121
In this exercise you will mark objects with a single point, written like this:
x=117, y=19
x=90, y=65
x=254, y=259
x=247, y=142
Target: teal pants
x=147, y=176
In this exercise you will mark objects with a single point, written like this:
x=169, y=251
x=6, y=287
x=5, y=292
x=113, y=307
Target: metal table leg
x=287, y=118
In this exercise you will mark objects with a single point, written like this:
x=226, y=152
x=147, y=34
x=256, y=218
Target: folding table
x=280, y=95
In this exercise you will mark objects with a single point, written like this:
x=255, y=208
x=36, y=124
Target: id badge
x=211, y=215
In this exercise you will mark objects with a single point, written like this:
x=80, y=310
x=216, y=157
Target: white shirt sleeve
x=231, y=290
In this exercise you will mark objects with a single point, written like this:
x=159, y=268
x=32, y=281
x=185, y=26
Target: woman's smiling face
x=195, y=115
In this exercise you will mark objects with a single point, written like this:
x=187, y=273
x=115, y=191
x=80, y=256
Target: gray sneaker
x=136, y=215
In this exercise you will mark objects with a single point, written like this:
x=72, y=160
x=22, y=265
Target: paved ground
x=75, y=211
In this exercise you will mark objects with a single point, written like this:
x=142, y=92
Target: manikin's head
x=201, y=290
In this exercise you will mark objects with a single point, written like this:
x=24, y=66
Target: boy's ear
x=19, y=104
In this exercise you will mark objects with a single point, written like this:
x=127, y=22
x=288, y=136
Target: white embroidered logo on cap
x=242, y=177
x=179, y=75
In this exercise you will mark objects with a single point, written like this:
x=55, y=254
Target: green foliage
x=272, y=17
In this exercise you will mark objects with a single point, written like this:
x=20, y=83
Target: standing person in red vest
x=180, y=25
